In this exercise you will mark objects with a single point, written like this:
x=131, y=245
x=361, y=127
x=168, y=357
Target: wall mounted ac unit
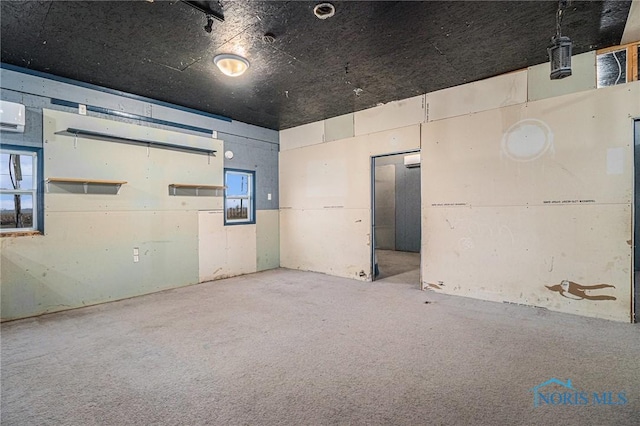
x=11, y=117
x=412, y=160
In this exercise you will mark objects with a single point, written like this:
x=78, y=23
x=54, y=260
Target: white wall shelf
x=86, y=182
x=217, y=189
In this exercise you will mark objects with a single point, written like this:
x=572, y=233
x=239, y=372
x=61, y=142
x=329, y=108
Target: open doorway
x=396, y=217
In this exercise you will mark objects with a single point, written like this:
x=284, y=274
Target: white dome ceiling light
x=231, y=65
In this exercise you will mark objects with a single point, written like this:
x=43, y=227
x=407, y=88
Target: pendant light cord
x=562, y=4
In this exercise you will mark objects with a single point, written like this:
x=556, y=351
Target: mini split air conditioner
x=412, y=161
x=11, y=117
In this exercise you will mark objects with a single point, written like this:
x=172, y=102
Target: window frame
x=35, y=191
x=251, y=197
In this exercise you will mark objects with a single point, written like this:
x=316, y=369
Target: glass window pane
x=5, y=179
x=237, y=184
x=237, y=209
x=16, y=171
x=612, y=68
x=16, y=211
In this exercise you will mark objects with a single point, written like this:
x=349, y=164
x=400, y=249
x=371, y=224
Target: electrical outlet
x=136, y=251
x=136, y=258
x=269, y=197
x=82, y=109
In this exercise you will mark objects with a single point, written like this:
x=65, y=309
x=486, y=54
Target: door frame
x=373, y=208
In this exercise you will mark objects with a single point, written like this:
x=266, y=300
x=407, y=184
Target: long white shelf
x=197, y=187
x=86, y=182
x=104, y=136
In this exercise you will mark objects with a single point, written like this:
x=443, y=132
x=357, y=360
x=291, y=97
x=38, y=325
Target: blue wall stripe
x=111, y=91
x=107, y=111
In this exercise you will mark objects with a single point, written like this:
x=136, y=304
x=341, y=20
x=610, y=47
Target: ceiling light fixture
x=269, y=38
x=209, y=27
x=231, y=65
x=560, y=48
x=324, y=10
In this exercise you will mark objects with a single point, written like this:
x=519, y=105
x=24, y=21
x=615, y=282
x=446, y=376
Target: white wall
x=583, y=77
x=325, y=199
x=530, y=195
x=85, y=256
x=516, y=194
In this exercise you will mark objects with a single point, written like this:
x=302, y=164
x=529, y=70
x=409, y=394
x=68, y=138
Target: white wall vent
x=11, y=117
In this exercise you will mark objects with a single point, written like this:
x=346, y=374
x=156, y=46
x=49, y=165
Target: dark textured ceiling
x=389, y=50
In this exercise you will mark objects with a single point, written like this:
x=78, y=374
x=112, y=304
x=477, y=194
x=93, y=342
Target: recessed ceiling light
x=231, y=65
x=324, y=10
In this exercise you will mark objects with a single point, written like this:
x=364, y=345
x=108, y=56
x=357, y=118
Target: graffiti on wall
x=576, y=291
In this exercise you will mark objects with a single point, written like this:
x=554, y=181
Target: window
x=612, y=68
x=239, y=197
x=19, y=198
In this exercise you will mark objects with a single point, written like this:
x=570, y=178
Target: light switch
x=269, y=197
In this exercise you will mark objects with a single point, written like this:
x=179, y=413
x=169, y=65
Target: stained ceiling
x=370, y=52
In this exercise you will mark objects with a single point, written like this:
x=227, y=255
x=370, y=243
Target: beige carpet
x=297, y=348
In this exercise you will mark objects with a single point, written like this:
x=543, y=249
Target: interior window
x=239, y=197
x=18, y=190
